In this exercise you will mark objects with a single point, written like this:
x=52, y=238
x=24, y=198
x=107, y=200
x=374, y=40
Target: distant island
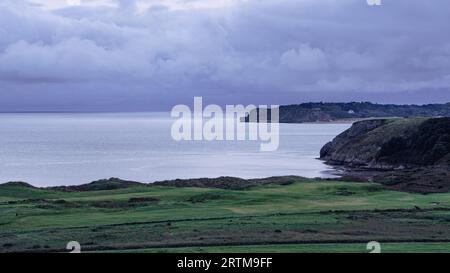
x=332, y=112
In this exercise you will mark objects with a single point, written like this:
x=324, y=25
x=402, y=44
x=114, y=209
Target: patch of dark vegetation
x=310, y=231
x=337, y=190
x=131, y=203
x=26, y=201
x=277, y=180
x=63, y=204
x=375, y=188
x=136, y=200
x=220, y=182
x=16, y=184
x=96, y=229
x=110, y=204
x=100, y=185
x=357, y=217
x=46, y=203
x=202, y=198
x=349, y=177
x=230, y=183
x=421, y=180
x=343, y=192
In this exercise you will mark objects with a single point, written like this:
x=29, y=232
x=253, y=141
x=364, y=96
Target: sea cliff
x=412, y=154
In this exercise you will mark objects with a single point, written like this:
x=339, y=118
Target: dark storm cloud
x=261, y=51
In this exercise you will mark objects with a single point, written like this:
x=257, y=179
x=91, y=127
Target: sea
x=52, y=149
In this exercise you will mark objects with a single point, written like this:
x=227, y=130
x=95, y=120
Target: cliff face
x=392, y=144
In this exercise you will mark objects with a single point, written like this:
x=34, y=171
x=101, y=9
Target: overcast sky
x=152, y=54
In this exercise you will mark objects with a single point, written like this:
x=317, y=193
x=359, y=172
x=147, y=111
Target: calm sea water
x=69, y=149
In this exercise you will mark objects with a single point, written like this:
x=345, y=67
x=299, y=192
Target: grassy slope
x=287, y=217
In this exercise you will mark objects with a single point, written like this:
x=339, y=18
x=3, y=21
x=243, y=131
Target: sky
x=142, y=55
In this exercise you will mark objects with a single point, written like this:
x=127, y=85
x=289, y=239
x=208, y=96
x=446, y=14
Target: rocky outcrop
x=403, y=154
x=392, y=144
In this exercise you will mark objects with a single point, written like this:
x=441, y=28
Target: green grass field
x=306, y=216
x=307, y=248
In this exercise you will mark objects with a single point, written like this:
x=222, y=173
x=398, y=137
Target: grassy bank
x=305, y=216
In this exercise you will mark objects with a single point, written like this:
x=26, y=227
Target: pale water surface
x=67, y=148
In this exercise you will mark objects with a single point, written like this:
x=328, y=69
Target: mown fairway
x=306, y=216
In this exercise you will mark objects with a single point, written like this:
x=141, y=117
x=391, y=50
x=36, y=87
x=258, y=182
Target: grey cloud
x=305, y=58
x=267, y=49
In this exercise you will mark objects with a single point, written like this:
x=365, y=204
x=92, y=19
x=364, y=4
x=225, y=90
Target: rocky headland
x=411, y=154
x=351, y=111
